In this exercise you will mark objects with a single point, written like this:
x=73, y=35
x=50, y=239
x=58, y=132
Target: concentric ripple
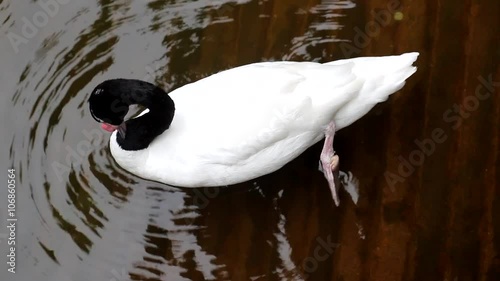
x=85, y=217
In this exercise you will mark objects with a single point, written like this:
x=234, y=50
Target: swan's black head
x=109, y=103
x=106, y=103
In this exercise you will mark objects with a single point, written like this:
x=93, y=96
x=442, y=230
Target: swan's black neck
x=119, y=94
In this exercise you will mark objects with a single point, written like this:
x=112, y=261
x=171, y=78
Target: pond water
x=82, y=217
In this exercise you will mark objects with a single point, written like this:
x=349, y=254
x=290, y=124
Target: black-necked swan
x=244, y=122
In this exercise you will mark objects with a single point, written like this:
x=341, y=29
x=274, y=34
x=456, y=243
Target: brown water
x=81, y=217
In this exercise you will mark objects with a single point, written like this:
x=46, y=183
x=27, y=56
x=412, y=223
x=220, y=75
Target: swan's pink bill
x=108, y=127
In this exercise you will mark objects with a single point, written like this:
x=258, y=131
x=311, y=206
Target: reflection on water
x=84, y=218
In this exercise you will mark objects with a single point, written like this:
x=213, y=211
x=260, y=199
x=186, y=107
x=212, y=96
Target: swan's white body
x=249, y=121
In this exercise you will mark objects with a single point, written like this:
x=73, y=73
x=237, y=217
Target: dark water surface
x=427, y=161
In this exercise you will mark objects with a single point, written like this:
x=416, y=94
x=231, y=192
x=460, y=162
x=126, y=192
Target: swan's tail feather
x=382, y=77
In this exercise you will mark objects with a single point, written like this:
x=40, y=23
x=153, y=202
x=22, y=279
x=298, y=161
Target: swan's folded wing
x=232, y=116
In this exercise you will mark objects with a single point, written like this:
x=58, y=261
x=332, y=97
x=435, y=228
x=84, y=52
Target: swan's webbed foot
x=330, y=161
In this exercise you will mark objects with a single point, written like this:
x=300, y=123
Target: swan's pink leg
x=329, y=160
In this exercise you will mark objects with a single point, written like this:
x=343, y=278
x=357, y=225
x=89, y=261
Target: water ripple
x=91, y=219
